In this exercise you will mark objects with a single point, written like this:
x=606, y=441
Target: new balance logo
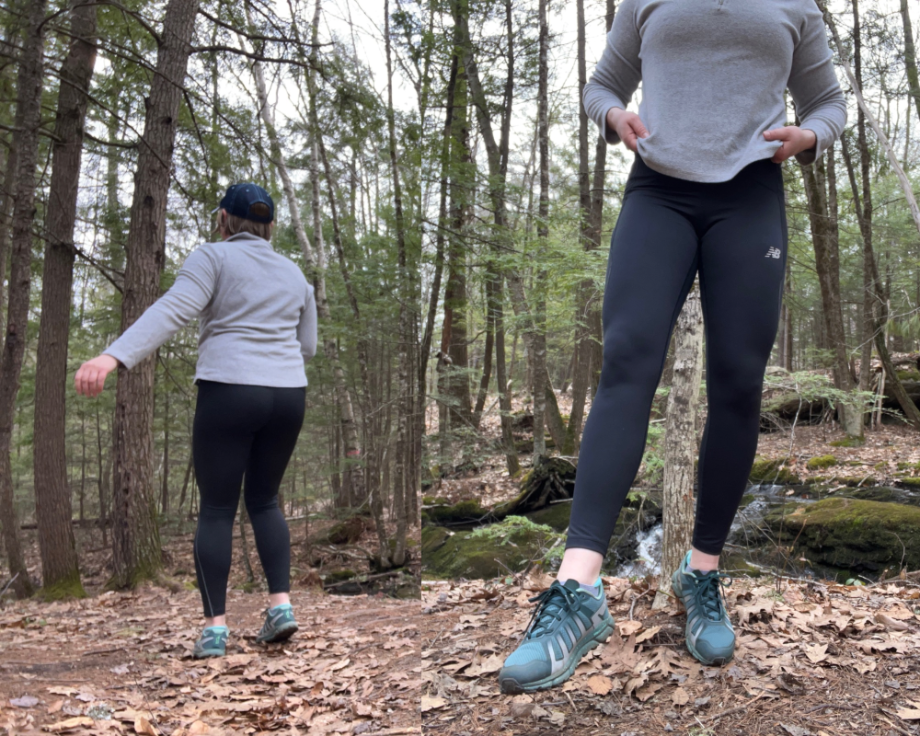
x=774, y=253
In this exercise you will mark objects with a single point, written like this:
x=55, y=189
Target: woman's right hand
x=627, y=125
x=90, y=379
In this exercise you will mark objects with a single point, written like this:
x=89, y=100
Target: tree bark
x=25, y=143
x=136, y=538
x=53, y=511
x=680, y=444
x=404, y=469
x=538, y=344
x=827, y=264
x=910, y=59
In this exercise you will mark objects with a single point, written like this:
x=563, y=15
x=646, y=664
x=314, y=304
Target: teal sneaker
x=568, y=623
x=211, y=643
x=710, y=636
x=279, y=624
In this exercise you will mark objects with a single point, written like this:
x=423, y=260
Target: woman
x=257, y=325
x=705, y=196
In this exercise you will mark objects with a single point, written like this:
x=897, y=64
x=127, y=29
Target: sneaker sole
x=282, y=633
x=510, y=686
x=715, y=661
x=205, y=653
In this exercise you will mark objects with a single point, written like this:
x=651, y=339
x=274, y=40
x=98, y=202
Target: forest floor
x=120, y=662
x=813, y=659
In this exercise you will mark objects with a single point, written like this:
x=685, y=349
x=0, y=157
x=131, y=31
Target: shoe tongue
x=572, y=585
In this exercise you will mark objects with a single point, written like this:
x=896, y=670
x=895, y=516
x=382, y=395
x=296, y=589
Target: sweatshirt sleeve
x=618, y=72
x=306, y=330
x=189, y=295
x=819, y=101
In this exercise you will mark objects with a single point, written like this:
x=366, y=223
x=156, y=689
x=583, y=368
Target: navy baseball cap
x=240, y=199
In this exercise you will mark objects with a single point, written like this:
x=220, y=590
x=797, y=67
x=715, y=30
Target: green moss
x=909, y=466
x=883, y=494
x=773, y=471
x=70, y=587
x=746, y=500
x=851, y=534
x=336, y=576
x=433, y=538
x=849, y=442
x=821, y=462
x=556, y=516
x=910, y=482
x=909, y=375
x=489, y=551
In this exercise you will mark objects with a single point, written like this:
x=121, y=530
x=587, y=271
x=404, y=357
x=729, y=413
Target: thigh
x=273, y=445
x=742, y=270
x=652, y=264
x=226, y=419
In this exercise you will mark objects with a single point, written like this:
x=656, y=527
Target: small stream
x=648, y=541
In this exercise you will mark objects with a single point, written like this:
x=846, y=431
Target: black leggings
x=734, y=235
x=251, y=431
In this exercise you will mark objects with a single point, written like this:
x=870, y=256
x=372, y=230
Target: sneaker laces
x=554, y=603
x=709, y=593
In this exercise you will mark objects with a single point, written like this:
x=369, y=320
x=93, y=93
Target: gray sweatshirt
x=713, y=74
x=256, y=315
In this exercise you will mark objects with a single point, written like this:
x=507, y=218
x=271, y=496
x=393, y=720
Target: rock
x=848, y=534
x=883, y=494
x=774, y=472
x=821, y=462
x=489, y=551
x=433, y=538
x=349, y=531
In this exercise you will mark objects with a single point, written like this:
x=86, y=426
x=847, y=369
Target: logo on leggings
x=774, y=252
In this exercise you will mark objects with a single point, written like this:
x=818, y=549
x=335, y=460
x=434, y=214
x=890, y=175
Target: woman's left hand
x=794, y=140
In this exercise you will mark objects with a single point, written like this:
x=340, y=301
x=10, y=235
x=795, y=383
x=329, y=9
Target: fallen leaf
x=680, y=697
x=890, y=623
x=599, y=684
x=431, y=703
x=816, y=653
x=70, y=724
x=647, y=634
x=909, y=714
x=795, y=730
x=26, y=701
x=144, y=727
x=628, y=627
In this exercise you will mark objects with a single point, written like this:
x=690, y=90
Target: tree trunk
x=164, y=486
x=136, y=537
x=910, y=60
x=404, y=468
x=25, y=143
x=680, y=444
x=53, y=511
x=827, y=264
x=538, y=360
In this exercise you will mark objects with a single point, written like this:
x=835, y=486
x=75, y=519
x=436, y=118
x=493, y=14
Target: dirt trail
x=813, y=659
x=119, y=663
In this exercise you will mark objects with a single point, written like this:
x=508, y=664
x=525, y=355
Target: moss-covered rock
x=908, y=466
x=555, y=516
x=336, y=576
x=909, y=375
x=851, y=534
x=849, y=442
x=773, y=471
x=882, y=494
x=433, y=538
x=489, y=551
x=910, y=482
x=821, y=462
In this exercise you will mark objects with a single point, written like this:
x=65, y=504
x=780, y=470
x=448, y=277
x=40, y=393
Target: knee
x=255, y=507
x=630, y=357
x=736, y=387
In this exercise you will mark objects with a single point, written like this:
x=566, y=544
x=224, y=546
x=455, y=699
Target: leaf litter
x=812, y=658
x=120, y=663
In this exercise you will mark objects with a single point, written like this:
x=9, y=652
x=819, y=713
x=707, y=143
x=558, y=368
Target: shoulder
x=204, y=256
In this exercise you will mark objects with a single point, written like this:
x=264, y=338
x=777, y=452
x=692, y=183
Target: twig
x=635, y=598
x=6, y=587
x=358, y=579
